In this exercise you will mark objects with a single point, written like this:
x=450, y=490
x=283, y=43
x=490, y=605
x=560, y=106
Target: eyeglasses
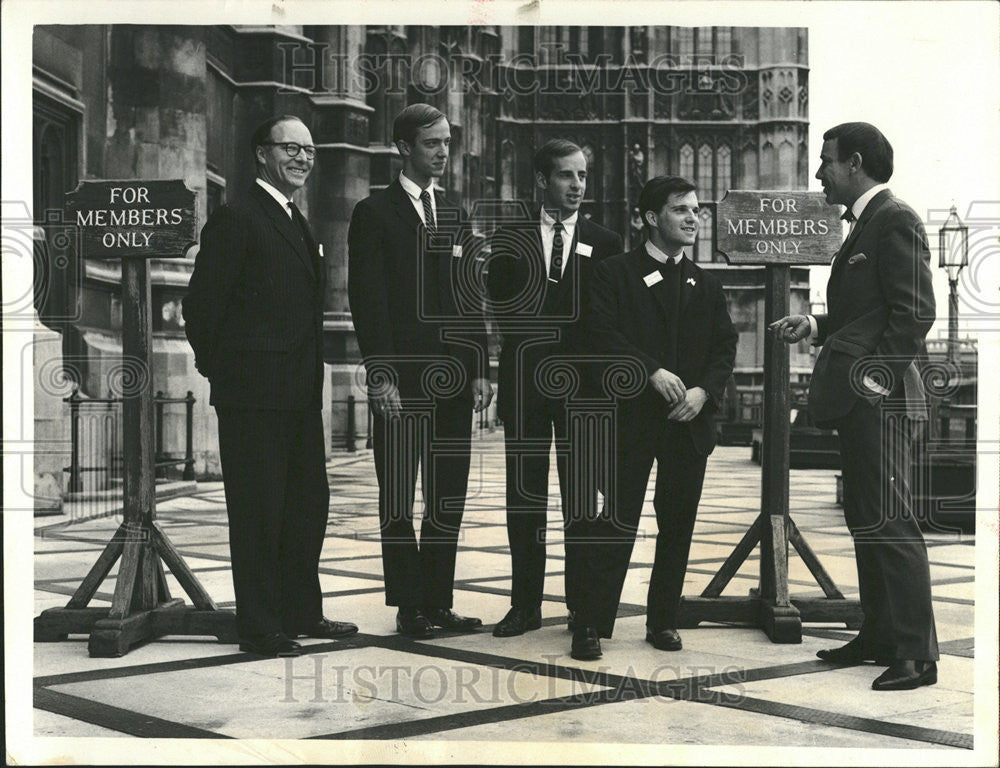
x=293, y=149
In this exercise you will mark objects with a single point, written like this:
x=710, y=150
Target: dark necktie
x=303, y=227
x=848, y=216
x=555, y=263
x=425, y=198
x=300, y=221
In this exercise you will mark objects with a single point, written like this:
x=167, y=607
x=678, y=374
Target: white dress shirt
x=660, y=256
x=414, y=191
x=548, y=230
x=273, y=192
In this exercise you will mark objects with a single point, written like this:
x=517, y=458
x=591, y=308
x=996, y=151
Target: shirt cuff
x=813, y=327
x=869, y=382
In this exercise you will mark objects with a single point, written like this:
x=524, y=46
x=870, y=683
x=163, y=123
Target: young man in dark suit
x=254, y=317
x=418, y=318
x=658, y=307
x=539, y=275
x=866, y=385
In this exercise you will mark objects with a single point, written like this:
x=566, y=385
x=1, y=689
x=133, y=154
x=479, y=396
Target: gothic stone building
x=724, y=106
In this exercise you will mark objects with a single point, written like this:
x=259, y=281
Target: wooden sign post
x=776, y=229
x=135, y=221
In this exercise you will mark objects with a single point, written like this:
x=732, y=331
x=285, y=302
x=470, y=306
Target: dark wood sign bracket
x=747, y=234
x=142, y=608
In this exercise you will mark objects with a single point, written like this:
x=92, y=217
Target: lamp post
x=953, y=256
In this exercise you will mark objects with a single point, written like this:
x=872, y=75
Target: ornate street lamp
x=953, y=257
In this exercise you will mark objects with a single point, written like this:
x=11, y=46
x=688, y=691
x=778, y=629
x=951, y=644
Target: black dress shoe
x=448, y=619
x=412, y=623
x=275, y=644
x=330, y=630
x=905, y=675
x=852, y=653
x=664, y=639
x=586, y=644
x=518, y=621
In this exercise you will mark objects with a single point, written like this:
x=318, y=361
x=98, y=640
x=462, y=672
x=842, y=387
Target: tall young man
x=427, y=367
x=540, y=272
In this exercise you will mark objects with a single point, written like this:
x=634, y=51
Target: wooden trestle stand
x=141, y=608
x=747, y=233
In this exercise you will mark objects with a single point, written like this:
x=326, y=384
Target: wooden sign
x=777, y=227
x=133, y=219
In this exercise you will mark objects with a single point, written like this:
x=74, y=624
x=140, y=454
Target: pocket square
x=691, y=281
x=856, y=258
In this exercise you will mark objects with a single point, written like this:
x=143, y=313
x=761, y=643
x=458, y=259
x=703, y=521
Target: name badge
x=456, y=251
x=652, y=279
x=584, y=250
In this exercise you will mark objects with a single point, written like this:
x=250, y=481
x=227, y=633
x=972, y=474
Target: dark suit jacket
x=626, y=318
x=530, y=310
x=881, y=306
x=415, y=295
x=254, y=309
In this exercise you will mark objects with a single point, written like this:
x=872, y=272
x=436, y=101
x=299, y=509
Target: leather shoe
x=412, y=623
x=330, y=630
x=905, y=675
x=664, y=639
x=586, y=644
x=851, y=653
x=518, y=621
x=274, y=644
x=448, y=619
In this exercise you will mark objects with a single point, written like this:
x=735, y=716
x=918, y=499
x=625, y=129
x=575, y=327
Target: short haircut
x=414, y=117
x=262, y=133
x=552, y=149
x=867, y=141
x=658, y=190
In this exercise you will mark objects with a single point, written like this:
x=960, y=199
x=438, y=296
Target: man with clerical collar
x=426, y=366
x=866, y=385
x=540, y=271
x=656, y=306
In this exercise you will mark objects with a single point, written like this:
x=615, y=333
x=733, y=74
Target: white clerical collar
x=273, y=191
x=862, y=202
x=412, y=188
x=568, y=222
x=660, y=256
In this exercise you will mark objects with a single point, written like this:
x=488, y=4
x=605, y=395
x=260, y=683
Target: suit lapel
x=866, y=215
x=287, y=228
x=646, y=265
x=404, y=207
x=689, y=283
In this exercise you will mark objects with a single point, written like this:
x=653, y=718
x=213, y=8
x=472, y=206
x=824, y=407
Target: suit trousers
x=680, y=474
x=277, y=498
x=434, y=437
x=893, y=572
x=528, y=437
